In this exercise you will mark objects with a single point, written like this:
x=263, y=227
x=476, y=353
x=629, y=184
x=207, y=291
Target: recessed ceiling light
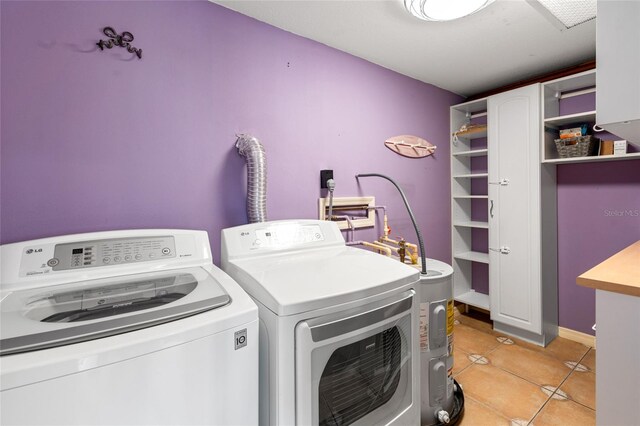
x=566, y=14
x=444, y=10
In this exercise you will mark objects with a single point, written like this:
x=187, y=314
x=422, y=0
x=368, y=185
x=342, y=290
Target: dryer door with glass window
x=355, y=367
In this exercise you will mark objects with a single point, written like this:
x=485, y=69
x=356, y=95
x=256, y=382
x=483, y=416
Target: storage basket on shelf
x=581, y=146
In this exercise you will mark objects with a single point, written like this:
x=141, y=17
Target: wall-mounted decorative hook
x=122, y=40
x=410, y=146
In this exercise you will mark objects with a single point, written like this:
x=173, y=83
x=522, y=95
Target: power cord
x=331, y=185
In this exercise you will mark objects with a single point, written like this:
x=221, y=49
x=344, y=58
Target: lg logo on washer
x=241, y=338
x=38, y=250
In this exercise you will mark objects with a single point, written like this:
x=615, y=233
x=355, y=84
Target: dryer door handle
x=326, y=327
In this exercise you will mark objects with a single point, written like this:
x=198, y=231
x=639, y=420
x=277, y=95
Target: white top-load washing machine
x=125, y=327
x=338, y=325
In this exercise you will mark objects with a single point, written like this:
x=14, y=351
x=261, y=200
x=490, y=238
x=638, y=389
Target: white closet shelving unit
x=553, y=92
x=468, y=198
x=503, y=213
x=522, y=222
x=504, y=207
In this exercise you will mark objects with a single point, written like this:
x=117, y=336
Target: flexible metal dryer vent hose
x=251, y=148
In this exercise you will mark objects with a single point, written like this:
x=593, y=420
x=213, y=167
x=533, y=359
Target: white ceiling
x=504, y=43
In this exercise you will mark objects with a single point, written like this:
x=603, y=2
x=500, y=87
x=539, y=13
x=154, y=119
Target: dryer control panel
x=279, y=236
x=88, y=254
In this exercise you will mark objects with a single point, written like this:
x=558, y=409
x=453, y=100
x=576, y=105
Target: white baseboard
x=577, y=336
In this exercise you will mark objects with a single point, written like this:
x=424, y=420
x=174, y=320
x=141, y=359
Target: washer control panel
x=89, y=254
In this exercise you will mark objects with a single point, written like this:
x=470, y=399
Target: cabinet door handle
x=501, y=250
x=501, y=182
x=491, y=209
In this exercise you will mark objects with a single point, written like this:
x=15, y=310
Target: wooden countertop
x=620, y=273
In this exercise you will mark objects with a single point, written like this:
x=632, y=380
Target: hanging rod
x=575, y=93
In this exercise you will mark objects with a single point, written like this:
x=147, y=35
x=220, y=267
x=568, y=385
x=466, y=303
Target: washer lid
x=59, y=315
x=291, y=283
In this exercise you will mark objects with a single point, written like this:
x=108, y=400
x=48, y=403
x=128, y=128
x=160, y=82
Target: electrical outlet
x=325, y=175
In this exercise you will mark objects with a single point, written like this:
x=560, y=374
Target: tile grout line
x=573, y=371
x=545, y=355
x=533, y=383
x=539, y=410
x=466, y=356
x=554, y=392
x=460, y=372
x=490, y=408
x=519, y=377
x=470, y=364
x=558, y=388
x=585, y=406
x=493, y=409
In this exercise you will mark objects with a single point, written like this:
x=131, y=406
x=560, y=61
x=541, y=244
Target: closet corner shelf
x=473, y=133
x=473, y=256
x=472, y=153
x=472, y=224
x=588, y=116
x=593, y=159
x=472, y=176
x=473, y=298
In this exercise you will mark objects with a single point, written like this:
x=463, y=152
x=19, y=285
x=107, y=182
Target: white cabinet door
x=618, y=65
x=514, y=208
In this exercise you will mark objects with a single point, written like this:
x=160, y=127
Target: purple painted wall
x=101, y=140
x=598, y=215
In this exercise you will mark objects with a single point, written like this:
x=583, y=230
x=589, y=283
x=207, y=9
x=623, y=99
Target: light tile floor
x=510, y=382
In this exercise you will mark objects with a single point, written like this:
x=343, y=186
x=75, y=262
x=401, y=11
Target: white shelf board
x=473, y=135
x=473, y=298
x=593, y=159
x=473, y=256
x=472, y=107
x=472, y=176
x=572, y=82
x=472, y=224
x=476, y=197
x=472, y=153
x=588, y=116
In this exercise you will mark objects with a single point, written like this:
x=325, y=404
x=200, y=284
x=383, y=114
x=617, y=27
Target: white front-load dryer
x=125, y=328
x=338, y=325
